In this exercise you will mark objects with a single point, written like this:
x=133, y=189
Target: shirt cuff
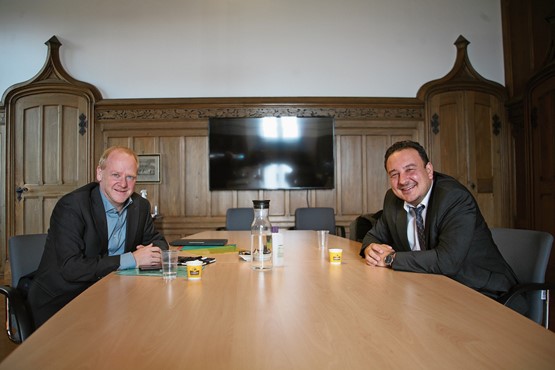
x=126, y=261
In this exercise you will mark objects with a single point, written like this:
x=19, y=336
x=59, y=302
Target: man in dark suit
x=455, y=240
x=94, y=230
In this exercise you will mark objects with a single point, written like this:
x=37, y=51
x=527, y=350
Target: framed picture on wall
x=149, y=168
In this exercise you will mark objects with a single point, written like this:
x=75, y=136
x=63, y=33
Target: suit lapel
x=401, y=224
x=132, y=224
x=99, y=216
x=431, y=214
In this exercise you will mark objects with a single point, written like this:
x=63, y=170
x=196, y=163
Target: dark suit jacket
x=458, y=241
x=76, y=251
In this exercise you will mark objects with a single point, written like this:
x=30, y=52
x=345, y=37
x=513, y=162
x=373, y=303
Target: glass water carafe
x=261, y=236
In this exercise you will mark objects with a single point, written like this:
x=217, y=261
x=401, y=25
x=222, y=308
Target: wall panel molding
x=194, y=108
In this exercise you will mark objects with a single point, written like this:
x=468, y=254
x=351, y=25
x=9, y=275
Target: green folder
x=208, y=249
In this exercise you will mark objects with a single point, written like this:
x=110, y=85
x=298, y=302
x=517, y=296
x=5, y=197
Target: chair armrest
x=524, y=288
x=19, y=321
x=8, y=291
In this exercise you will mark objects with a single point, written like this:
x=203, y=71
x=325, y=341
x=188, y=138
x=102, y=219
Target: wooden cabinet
x=530, y=77
x=541, y=107
x=468, y=136
x=539, y=134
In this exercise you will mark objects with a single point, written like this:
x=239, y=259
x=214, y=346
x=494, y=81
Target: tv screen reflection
x=271, y=153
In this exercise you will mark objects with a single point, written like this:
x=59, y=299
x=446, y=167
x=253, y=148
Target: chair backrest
x=315, y=218
x=527, y=252
x=362, y=224
x=25, y=254
x=239, y=218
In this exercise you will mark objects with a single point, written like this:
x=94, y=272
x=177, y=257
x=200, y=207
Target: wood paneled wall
x=177, y=129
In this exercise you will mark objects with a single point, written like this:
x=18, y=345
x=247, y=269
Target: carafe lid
x=261, y=204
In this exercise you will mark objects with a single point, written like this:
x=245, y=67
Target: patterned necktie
x=420, y=226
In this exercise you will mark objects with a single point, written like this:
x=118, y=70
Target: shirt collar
x=109, y=207
x=424, y=202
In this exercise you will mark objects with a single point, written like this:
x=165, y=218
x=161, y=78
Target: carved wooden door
x=468, y=136
x=468, y=140
x=51, y=154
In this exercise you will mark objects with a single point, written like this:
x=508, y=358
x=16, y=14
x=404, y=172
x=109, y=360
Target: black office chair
x=527, y=252
x=239, y=218
x=359, y=227
x=25, y=255
x=318, y=218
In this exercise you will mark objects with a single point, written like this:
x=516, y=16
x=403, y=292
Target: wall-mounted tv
x=271, y=153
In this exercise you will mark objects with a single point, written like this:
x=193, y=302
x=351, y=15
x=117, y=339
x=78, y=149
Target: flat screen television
x=271, y=153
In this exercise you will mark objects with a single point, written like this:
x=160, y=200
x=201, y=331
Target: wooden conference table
x=307, y=314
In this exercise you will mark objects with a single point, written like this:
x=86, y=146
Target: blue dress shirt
x=117, y=230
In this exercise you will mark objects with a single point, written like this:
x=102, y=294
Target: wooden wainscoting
x=177, y=129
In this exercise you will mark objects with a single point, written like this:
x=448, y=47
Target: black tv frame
x=242, y=158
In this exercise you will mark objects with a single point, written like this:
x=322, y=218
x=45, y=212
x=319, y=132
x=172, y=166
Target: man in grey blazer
x=94, y=230
x=456, y=241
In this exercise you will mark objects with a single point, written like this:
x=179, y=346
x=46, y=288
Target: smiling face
x=117, y=176
x=410, y=178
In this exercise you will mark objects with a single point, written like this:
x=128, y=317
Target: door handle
x=20, y=190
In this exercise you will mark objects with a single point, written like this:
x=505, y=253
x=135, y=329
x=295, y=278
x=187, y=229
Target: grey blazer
x=458, y=241
x=76, y=250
